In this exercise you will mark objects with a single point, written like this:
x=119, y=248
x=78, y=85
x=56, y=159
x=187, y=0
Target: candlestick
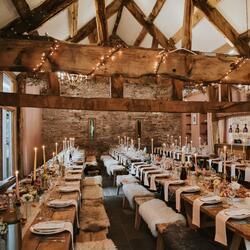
x=152, y=146
x=35, y=164
x=139, y=143
x=17, y=186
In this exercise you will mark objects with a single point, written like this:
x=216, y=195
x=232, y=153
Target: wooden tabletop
x=38, y=242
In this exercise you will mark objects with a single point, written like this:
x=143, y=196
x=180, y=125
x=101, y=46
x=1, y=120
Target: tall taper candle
x=17, y=186
x=225, y=156
x=180, y=140
x=56, y=147
x=152, y=146
x=139, y=143
x=199, y=141
x=35, y=164
x=44, y=159
x=186, y=141
x=119, y=140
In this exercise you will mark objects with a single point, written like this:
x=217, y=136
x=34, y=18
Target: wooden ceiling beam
x=119, y=104
x=92, y=37
x=223, y=49
x=223, y=25
x=73, y=18
x=22, y=8
x=35, y=18
x=101, y=22
x=245, y=35
x=90, y=26
x=148, y=25
x=197, y=17
x=187, y=25
x=117, y=20
x=24, y=55
x=154, y=13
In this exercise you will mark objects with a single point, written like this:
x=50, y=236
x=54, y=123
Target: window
x=8, y=118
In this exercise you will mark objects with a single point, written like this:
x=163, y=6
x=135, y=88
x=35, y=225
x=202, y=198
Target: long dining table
x=56, y=241
x=239, y=228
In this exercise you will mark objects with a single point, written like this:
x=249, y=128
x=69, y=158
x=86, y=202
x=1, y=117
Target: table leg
x=137, y=218
x=235, y=244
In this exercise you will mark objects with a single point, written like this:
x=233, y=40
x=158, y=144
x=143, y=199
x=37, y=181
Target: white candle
x=127, y=141
x=56, y=147
x=53, y=156
x=172, y=138
x=35, y=164
x=191, y=143
x=44, y=159
x=225, y=156
x=17, y=186
x=132, y=142
x=119, y=140
x=180, y=140
x=73, y=142
x=195, y=160
x=68, y=145
x=199, y=141
x=139, y=143
x=186, y=141
x=152, y=146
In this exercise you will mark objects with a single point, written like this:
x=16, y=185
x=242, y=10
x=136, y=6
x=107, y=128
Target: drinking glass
x=231, y=195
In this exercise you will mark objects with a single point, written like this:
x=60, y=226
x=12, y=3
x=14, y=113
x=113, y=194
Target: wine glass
x=231, y=195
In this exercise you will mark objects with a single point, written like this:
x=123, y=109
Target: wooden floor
x=122, y=230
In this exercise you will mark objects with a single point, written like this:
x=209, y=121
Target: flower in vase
x=216, y=182
x=27, y=198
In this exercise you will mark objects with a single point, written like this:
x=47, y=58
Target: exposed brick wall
x=58, y=124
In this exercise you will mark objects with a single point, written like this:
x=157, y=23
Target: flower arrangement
x=3, y=228
x=26, y=198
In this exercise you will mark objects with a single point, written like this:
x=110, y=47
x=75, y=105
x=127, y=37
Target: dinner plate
x=35, y=228
x=192, y=190
x=59, y=205
x=67, y=189
x=215, y=200
x=238, y=214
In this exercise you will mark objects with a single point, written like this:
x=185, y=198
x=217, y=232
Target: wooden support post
x=117, y=82
x=73, y=17
x=154, y=44
x=187, y=25
x=54, y=84
x=177, y=89
x=101, y=22
x=117, y=21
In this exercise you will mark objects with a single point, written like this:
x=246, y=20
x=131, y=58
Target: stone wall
x=58, y=124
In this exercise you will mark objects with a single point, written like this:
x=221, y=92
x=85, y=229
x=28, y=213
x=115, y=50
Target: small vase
x=27, y=210
x=216, y=190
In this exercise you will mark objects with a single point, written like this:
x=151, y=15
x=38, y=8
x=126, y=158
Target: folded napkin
x=197, y=205
x=220, y=166
x=73, y=177
x=138, y=167
x=74, y=171
x=49, y=225
x=178, y=194
x=156, y=170
x=233, y=169
x=71, y=183
x=153, y=177
x=66, y=203
x=70, y=188
x=247, y=174
x=166, y=185
x=220, y=223
x=150, y=167
x=133, y=169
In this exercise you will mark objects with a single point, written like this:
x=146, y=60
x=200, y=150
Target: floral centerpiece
x=27, y=199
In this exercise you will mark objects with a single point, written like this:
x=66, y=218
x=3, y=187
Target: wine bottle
x=183, y=175
x=245, y=129
x=237, y=130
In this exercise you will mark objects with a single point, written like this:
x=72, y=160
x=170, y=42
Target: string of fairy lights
x=161, y=58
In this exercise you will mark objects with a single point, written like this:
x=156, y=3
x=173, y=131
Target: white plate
x=245, y=214
x=46, y=232
x=192, y=190
x=67, y=189
x=58, y=205
x=212, y=201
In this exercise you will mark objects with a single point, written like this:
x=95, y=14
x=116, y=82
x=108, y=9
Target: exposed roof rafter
x=72, y=18
x=117, y=21
x=154, y=13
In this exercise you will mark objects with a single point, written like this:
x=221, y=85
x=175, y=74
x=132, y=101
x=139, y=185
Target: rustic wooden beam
x=24, y=55
x=73, y=17
x=154, y=13
x=22, y=8
x=117, y=82
x=197, y=17
x=117, y=20
x=147, y=24
x=101, y=22
x=154, y=44
x=223, y=25
x=35, y=18
x=90, y=26
x=92, y=37
x=187, y=25
x=54, y=84
x=245, y=35
x=177, y=89
x=223, y=49
x=119, y=104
